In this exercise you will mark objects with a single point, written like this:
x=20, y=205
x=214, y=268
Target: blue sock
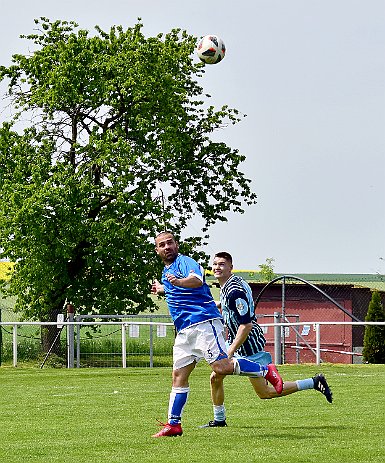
x=305, y=384
x=178, y=399
x=245, y=367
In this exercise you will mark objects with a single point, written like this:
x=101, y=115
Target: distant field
x=8, y=303
x=4, y=269
x=109, y=415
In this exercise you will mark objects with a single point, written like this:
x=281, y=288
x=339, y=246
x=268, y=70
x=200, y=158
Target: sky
x=310, y=75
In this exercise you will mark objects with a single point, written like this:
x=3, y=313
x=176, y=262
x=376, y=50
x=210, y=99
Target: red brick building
x=300, y=303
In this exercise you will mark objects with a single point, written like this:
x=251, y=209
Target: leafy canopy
x=117, y=147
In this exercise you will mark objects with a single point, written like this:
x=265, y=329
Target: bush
x=52, y=361
x=374, y=338
x=27, y=349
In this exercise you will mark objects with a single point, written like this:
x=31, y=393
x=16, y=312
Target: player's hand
x=157, y=288
x=172, y=278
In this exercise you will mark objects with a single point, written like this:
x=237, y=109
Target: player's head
x=222, y=266
x=224, y=255
x=166, y=247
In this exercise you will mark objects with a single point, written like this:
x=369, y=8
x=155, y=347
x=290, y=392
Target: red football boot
x=274, y=378
x=169, y=430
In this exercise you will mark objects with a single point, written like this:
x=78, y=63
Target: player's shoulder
x=186, y=259
x=234, y=287
x=234, y=282
x=188, y=264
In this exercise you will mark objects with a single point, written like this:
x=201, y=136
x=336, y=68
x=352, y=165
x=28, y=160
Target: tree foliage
x=374, y=337
x=267, y=269
x=118, y=146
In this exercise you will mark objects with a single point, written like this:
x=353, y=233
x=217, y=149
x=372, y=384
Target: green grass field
x=108, y=415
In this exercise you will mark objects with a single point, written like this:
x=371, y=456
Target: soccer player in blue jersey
x=199, y=327
x=246, y=340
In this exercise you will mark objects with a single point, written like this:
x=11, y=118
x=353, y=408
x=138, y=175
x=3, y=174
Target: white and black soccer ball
x=211, y=49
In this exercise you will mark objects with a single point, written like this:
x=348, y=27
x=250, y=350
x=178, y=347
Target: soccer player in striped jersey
x=246, y=340
x=199, y=327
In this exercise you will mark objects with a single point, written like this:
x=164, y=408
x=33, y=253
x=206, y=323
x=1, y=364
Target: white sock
x=303, y=384
x=219, y=412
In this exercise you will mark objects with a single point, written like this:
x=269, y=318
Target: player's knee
x=216, y=378
x=223, y=367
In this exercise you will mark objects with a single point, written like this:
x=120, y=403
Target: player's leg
x=265, y=391
x=183, y=364
x=318, y=382
x=177, y=401
x=179, y=393
x=217, y=388
x=218, y=401
x=213, y=348
x=246, y=367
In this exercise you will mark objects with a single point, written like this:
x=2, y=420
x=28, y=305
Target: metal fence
x=141, y=340
x=122, y=356
x=302, y=323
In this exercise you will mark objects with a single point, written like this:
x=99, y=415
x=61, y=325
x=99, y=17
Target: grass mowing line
x=109, y=415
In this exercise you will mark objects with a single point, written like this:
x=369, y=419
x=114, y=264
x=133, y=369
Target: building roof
x=363, y=280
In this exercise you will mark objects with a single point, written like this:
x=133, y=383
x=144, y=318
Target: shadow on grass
x=299, y=432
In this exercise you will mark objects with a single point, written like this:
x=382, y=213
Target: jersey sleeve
x=188, y=266
x=239, y=305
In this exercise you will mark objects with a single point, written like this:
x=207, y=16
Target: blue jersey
x=188, y=306
x=238, y=309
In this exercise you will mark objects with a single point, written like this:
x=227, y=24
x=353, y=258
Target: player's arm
x=241, y=336
x=191, y=281
x=239, y=305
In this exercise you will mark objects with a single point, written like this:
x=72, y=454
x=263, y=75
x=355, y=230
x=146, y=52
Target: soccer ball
x=211, y=49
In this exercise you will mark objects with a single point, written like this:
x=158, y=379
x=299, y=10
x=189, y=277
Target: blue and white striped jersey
x=188, y=306
x=238, y=309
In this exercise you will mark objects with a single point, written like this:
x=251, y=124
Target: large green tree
x=110, y=143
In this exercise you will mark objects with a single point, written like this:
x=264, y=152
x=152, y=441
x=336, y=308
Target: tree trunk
x=50, y=337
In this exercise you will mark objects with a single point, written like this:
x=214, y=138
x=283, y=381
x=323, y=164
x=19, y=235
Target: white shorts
x=204, y=340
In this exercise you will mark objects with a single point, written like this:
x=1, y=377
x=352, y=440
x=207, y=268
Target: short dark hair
x=164, y=232
x=224, y=255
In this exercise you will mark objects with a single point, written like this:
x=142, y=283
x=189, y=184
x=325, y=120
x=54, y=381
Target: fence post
x=78, y=319
x=124, y=346
x=277, y=340
x=151, y=344
x=14, y=345
x=283, y=320
x=297, y=353
x=70, y=337
x=317, y=327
